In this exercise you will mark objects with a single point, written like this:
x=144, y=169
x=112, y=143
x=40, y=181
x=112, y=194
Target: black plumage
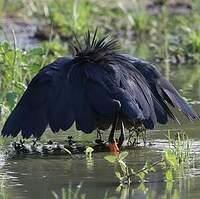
x=95, y=88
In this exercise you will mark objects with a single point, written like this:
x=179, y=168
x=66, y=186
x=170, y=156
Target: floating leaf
x=110, y=158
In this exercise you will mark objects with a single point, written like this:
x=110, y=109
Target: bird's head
x=93, y=49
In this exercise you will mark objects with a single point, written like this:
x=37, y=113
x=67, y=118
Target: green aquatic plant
x=124, y=173
x=180, y=146
x=175, y=158
x=88, y=152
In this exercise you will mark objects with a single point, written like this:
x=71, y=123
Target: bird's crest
x=94, y=49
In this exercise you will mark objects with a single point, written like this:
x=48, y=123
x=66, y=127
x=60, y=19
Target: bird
x=96, y=88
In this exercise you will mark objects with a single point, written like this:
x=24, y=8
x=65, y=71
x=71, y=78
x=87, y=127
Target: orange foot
x=114, y=148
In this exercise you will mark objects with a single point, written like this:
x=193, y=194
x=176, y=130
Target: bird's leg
x=122, y=134
x=144, y=136
x=98, y=134
x=137, y=136
x=99, y=138
x=112, y=142
x=35, y=141
x=22, y=143
x=131, y=139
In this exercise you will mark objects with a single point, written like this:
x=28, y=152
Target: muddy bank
x=19, y=31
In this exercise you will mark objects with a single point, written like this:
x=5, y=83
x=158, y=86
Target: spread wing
x=163, y=91
x=59, y=95
x=46, y=101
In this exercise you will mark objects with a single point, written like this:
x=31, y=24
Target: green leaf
x=89, y=151
x=149, y=167
x=132, y=171
x=118, y=175
x=141, y=175
x=162, y=164
x=123, y=166
x=110, y=158
x=153, y=169
x=169, y=175
x=123, y=155
x=5, y=46
x=118, y=189
x=171, y=158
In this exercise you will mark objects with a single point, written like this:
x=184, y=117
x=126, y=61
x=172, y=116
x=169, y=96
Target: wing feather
x=35, y=109
x=162, y=89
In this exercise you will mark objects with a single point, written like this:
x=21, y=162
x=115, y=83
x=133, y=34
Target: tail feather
x=172, y=96
x=180, y=103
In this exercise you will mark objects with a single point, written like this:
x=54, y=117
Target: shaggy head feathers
x=95, y=50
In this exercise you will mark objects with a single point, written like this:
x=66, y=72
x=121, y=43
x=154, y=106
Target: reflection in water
x=38, y=176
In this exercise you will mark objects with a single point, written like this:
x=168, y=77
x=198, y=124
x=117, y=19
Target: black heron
x=96, y=88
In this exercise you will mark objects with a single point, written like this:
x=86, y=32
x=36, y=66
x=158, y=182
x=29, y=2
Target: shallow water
x=37, y=176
